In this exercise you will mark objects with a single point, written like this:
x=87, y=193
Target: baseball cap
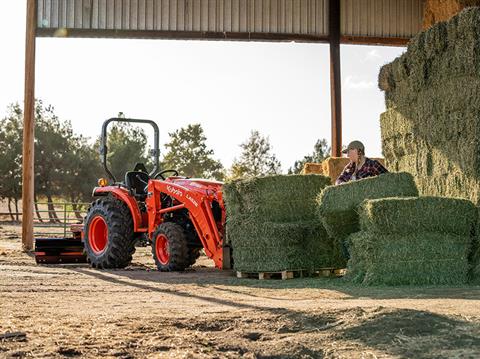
x=354, y=145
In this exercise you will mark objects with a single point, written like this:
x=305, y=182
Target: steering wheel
x=160, y=174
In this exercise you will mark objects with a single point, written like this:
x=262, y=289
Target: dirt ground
x=75, y=311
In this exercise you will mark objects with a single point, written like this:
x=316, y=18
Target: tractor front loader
x=179, y=215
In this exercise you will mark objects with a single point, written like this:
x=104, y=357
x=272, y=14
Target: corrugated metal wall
x=261, y=16
x=381, y=18
x=369, y=18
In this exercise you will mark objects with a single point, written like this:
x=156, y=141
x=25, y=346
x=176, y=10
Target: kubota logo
x=174, y=191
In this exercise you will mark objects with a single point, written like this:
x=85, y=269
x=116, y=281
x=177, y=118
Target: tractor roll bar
x=104, y=150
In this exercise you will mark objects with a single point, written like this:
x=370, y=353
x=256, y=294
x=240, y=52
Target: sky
x=230, y=88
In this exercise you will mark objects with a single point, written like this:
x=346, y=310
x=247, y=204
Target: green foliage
x=11, y=149
x=127, y=146
x=320, y=152
x=187, y=152
x=83, y=171
x=271, y=223
x=53, y=142
x=256, y=158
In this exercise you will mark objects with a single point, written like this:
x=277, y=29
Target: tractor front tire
x=170, y=248
x=108, y=234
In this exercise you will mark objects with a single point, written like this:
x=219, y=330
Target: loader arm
x=199, y=210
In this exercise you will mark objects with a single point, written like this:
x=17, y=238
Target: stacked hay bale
x=442, y=10
x=432, y=125
x=337, y=205
x=312, y=168
x=412, y=241
x=272, y=226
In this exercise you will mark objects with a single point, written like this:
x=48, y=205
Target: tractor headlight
x=102, y=182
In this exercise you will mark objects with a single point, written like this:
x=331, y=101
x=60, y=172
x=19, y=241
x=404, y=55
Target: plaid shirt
x=370, y=168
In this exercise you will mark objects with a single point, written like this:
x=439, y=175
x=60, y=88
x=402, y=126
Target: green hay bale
x=474, y=256
x=272, y=226
x=337, y=205
x=448, y=165
x=271, y=234
x=419, y=214
x=408, y=259
x=282, y=246
x=274, y=198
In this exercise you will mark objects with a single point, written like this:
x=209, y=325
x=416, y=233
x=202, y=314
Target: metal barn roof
x=364, y=21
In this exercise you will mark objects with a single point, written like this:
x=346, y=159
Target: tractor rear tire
x=108, y=234
x=170, y=248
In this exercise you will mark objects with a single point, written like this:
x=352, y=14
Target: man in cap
x=359, y=166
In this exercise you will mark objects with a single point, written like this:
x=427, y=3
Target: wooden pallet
x=328, y=272
x=290, y=274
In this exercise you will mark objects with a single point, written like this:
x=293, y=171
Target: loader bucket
x=59, y=250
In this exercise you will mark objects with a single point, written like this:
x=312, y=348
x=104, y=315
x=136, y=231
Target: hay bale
x=312, y=168
x=272, y=225
x=333, y=167
x=337, y=205
x=412, y=241
x=279, y=198
x=418, y=214
x=274, y=247
x=443, y=10
x=408, y=259
x=474, y=255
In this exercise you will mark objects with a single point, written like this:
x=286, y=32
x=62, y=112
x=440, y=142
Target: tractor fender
x=123, y=195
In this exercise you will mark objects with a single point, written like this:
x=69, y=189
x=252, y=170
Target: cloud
x=372, y=55
x=353, y=83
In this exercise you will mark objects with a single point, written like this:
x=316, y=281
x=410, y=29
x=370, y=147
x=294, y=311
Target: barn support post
x=28, y=128
x=335, y=76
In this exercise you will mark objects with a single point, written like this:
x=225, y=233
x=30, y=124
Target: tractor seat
x=133, y=181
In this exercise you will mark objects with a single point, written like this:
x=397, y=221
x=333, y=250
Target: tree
x=256, y=158
x=54, y=140
x=187, y=152
x=11, y=164
x=82, y=173
x=320, y=152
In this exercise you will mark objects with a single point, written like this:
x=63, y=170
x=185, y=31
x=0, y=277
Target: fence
x=54, y=219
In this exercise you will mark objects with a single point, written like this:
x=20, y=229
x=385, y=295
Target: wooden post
x=335, y=76
x=28, y=128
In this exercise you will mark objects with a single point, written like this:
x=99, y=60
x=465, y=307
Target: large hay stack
x=272, y=226
x=412, y=241
x=432, y=124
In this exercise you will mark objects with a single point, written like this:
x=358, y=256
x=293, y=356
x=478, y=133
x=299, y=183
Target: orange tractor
x=179, y=215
